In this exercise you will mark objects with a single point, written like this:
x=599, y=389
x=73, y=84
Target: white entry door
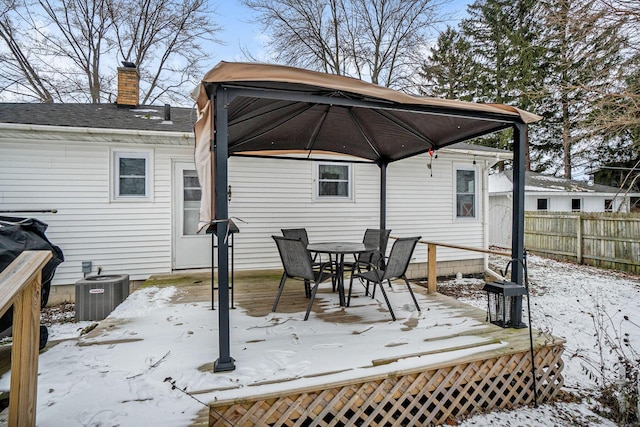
x=190, y=249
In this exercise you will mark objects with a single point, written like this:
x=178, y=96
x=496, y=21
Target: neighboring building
x=549, y=194
x=124, y=186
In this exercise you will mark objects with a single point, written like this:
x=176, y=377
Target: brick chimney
x=128, y=85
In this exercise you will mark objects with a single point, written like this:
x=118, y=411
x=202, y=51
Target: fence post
x=21, y=287
x=431, y=265
x=24, y=355
x=579, y=240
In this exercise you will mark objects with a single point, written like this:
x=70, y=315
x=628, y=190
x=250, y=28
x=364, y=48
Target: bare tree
x=378, y=40
x=585, y=55
x=163, y=38
x=620, y=108
x=82, y=37
x=18, y=73
x=305, y=33
x=74, y=46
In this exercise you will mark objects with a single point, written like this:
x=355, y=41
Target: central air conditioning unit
x=99, y=295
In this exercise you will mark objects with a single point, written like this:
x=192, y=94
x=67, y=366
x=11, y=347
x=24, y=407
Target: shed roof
x=541, y=183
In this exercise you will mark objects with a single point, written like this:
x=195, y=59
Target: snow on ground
x=578, y=304
x=88, y=386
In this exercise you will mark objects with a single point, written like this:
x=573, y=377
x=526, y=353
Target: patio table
x=339, y=249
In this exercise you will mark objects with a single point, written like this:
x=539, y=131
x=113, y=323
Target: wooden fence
x=607, y=240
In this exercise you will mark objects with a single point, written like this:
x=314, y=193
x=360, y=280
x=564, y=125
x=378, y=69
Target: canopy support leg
x=517, y=225
x=221, y=148
x=383, y=196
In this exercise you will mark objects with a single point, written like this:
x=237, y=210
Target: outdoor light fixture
x=504, y=306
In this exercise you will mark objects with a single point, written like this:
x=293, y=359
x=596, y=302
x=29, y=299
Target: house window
x=465, y=193
x=543, y=204
x=131, y=175
x=334, y=181
x=608, y=205
x=576, y=205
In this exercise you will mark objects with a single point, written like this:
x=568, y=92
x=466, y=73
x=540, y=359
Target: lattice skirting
x=416, y=398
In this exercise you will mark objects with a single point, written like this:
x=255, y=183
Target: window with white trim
x=608, y=205
x=576, y=205
x=543, y=204
x=333, y=181
x=466, y=198
x=131, y=175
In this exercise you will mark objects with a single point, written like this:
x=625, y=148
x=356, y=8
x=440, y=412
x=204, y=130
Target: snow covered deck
x=354, y=366
x=152, y=359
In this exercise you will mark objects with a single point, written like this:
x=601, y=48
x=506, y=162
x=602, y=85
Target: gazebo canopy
x=271, y=110
x=284, y=109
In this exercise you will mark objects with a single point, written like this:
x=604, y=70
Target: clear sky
x=239, y=33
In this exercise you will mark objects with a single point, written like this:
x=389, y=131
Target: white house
x=549, y=194
x=126, y=194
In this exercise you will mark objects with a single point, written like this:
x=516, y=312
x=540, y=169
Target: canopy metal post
x=517, y=224
x=221, y=150
x=383, y=195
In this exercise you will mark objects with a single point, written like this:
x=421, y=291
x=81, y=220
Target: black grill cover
x=23, y=234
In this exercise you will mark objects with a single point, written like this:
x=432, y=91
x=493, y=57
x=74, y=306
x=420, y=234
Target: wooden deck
x=425, y=368
x=345, y=366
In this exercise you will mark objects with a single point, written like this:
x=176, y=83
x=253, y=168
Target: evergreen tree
x=507, y=57
x=448, y=69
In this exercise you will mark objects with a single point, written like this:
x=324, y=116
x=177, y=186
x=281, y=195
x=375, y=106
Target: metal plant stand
x=233, y=229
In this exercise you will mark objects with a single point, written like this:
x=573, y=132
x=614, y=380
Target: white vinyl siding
x=420, y=203
x=594, y=202
x=74, y=178
x=135, y=238
x=267, y=200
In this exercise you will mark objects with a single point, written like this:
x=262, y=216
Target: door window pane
x=190, y=202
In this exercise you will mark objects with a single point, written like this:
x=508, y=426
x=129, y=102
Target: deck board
x=255, y=293
x=408, y=365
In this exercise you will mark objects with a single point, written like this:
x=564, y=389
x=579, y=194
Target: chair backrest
x=379, y=238
x=295, y=257
x=399, y=257
x=297, y=233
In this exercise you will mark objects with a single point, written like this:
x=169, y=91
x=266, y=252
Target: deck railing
x=21, y=285
x=431, y=258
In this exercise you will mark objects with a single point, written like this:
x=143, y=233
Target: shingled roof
x=100, y=116
x=540, y=183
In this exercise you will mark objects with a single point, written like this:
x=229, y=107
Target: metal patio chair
x=301, y=234
x=297, y=265
x=395, y=268
x=372, y=236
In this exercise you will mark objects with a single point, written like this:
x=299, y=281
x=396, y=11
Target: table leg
x=340, y=278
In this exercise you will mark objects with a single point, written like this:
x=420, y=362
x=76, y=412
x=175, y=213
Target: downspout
x=485, y=177
x=485, y=210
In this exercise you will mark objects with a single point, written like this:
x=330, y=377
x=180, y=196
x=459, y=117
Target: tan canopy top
x=267, y=109
x=275, y=109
